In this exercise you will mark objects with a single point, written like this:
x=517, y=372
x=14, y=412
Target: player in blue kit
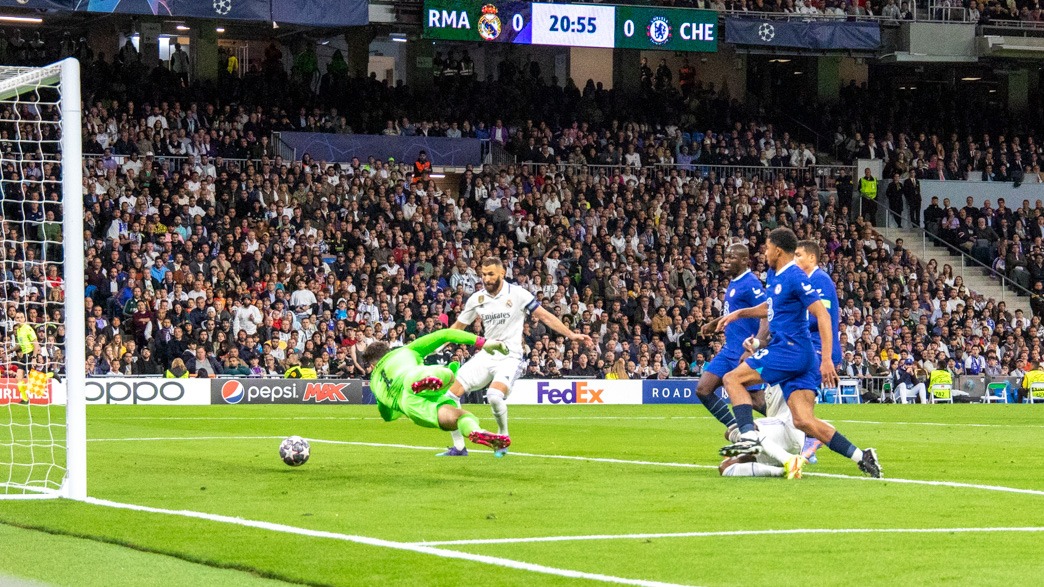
x=789, y=359
x=807, y=258
x=744, y=291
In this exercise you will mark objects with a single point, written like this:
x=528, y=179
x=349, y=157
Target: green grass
x=407, y=495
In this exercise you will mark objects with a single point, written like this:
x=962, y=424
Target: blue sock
x=841, y=445
x=718, y=408
x=744, y=417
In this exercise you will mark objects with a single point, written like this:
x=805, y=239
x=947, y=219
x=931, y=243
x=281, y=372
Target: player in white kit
x=781, y=444
x=504, y=309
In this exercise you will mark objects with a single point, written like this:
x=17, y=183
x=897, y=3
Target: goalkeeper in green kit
x=403, y=385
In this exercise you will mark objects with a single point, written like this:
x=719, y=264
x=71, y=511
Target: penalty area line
x=726, y=533
x=416, y=548
x=614, y=461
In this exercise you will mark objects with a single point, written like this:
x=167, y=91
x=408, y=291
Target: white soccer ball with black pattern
x=294, y=451
x=222, y=7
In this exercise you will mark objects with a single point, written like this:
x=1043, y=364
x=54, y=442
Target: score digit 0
x=517, y=22
x=629, y=28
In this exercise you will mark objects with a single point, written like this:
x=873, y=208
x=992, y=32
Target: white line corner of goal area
x=377, y=542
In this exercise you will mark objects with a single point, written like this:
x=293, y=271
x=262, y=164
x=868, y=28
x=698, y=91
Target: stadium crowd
x=231, y=261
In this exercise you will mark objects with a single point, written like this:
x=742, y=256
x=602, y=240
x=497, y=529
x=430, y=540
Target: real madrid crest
x=482, y=299
x=659, y=31
x=508, y=303
x=489, y=25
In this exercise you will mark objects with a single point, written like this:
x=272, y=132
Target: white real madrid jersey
x=503, y=315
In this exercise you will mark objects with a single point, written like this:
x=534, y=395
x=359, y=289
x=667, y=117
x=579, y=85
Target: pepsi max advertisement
x=288, y=391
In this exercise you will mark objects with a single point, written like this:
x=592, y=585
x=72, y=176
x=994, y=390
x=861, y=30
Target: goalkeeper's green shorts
x=421, y=408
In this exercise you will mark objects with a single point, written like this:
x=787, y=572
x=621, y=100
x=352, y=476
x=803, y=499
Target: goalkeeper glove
x=495, y=346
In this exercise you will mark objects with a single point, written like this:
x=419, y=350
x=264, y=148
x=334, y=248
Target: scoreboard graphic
x=572, y=25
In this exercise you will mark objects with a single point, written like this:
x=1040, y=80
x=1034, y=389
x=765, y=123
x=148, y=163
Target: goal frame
x=66, y=73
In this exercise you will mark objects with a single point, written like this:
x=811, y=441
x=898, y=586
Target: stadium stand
x=208, y=249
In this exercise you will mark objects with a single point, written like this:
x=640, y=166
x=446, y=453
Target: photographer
x=905, y=384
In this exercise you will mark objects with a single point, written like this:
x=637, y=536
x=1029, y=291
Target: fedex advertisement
x=575, y=391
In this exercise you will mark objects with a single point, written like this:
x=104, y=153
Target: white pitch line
x=727, y=533
x=420, y=549
x=615, y=461
x=875, y=423
x=532, y=418
x=558, y=418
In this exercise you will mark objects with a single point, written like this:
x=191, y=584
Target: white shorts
x=483, y=369
x=782, y=433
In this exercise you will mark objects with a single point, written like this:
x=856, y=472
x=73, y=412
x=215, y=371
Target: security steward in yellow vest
x=868, y=194
x=306, y=370
x=1031, y=377
x=25, y=341
x=939, y=377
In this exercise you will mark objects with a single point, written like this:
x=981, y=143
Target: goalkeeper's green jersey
x=398, y=370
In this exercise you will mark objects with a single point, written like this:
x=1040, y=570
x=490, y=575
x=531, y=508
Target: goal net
x=42, y=364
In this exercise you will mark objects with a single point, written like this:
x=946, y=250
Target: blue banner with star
x=806, y=34
x=328, y=13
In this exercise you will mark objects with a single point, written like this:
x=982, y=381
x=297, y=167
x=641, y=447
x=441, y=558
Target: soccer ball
x=294, y=451
x=222, y=7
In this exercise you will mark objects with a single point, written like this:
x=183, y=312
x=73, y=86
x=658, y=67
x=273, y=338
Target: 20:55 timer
x=581, y=24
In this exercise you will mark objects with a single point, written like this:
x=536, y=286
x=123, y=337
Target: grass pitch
x=605, y=487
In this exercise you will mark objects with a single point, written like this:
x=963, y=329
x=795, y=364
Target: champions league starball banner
x=808, y=34
x=306, y=12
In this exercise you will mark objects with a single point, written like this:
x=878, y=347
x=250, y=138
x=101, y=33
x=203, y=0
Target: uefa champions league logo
x=766, y=32
x=222, y=7
x=659, y=31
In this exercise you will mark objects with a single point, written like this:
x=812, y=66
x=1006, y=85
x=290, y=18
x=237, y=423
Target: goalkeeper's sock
x=458, y=438
x=718, y=408
x=466, y=424
x=500, y=410
x=844, y=447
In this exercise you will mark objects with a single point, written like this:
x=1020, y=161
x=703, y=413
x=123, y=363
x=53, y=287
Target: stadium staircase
x=977, y=277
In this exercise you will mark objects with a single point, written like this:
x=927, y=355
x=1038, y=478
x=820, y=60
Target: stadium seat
x=1036, y=393
x=941, y=393
x=996, y=392
x=848, y=388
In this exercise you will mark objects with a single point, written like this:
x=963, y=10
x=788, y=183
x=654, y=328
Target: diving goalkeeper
x=403, y=385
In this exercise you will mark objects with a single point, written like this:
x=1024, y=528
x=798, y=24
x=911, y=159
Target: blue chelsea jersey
x=827, y=291
x=745, y=291
x=790, y=295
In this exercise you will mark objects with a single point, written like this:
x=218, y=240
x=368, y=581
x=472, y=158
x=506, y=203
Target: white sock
x=753, y=470
x=857, y=455
x=458, y=438
x=499, y=406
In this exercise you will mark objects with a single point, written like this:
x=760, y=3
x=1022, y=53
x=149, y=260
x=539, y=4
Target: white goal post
x=43, y=422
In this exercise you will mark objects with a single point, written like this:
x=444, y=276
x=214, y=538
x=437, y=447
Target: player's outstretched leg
x=458, y=449
x=451, y=418
x=715, y=404
x=802, y=404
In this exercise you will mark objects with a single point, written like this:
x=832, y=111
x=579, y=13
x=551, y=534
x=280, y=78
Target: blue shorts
x=723, y=362
x=788, y=366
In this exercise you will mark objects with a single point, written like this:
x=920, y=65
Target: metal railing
x=926, y=239
x=121, y=159
x=823, y=174
x=284, y=150
x=947, y=11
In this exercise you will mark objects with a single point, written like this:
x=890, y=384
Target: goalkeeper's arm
x=430, y=343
